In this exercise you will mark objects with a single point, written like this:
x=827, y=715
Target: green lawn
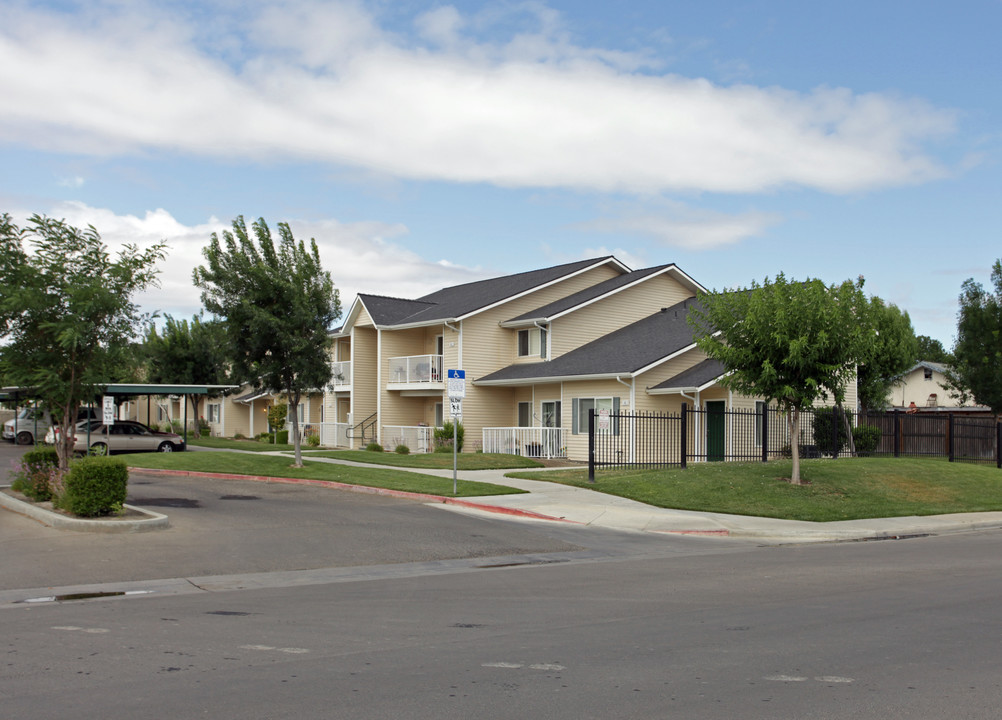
x=435, y=461
x=272, y=466
x=231, y=444
x=845, y=489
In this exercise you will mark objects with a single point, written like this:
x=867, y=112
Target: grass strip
x=231, y=444
x=432, y=461
x=844, y=489
x=272, y=466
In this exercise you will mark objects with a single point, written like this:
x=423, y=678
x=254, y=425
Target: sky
x=428, y=144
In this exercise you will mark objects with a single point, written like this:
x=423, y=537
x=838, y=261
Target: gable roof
x=699, y=377
x=627, y=351
x=611, y=286
x=461, y=301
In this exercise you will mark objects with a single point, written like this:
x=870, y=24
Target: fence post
x=949, y=436
x=765, y=432
x=897, y=433
x=998, y=444
x=591, y=445
x=683, y=434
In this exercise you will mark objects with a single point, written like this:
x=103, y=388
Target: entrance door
x=551, y=419
x=715, y=430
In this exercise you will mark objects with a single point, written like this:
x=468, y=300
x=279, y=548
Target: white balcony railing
x=330, y=434
x=537, y=442
x=417, y=438
x=414, y=369
x=341, y=374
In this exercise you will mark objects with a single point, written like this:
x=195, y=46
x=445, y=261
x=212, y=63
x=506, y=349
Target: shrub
x=277, y=415
x=37, y=477
x=313, y=440
x=282, y=437
x=866, y=438
x=825, y=434
x=239, y=436
x=402, y=450
x=95, y=486
x=374, y=447
x=443, y=437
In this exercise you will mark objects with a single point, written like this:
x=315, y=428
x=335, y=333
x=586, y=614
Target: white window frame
x=535, y=343
x=214, y=412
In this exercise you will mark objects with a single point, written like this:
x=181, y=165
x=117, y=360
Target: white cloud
x=360, y=256
x=72, y=182
x=322, y=81
x=687, y=228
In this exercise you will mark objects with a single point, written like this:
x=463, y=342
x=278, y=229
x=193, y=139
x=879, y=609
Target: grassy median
x=272, y=466
x=845, y=489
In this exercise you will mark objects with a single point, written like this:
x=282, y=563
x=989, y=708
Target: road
x=545, y=621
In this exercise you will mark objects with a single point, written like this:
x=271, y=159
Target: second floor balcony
x=341, y=375
x=422, y=371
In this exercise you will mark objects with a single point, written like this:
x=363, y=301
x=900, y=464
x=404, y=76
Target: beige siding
x=624, y=308
x=488, y=347
x=914, y=388
x=364, y=366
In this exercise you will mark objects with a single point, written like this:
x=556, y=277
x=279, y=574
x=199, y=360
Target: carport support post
x=185, y=431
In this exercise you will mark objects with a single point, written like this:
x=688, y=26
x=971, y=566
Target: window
x=532, y=343
x=213, y=412
x=525, y=414
x=928, y=374
x=579, y=414
x=439, y=416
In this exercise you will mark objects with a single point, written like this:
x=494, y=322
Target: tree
x=66, y=313
x=277, y=305
x=788, y=342
x=977, y=366
x=892, y=351
x=187, y=354
x=932, y=350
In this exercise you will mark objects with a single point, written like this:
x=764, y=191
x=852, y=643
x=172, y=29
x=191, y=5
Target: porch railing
x=416, y=369
x=537, y=442
x=417, y=438
x=341, y=374
x=330, y=434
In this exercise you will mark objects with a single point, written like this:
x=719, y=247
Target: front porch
x=531, y=442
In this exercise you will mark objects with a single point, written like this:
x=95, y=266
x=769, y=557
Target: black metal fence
x=706, y=435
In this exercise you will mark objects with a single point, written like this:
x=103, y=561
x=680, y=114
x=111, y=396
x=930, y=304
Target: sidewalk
x=554, y=502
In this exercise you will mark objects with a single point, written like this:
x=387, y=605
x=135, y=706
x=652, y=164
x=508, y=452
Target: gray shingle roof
x=459, y=300
x=590, y=293
x=697, y=376
x=623, y=351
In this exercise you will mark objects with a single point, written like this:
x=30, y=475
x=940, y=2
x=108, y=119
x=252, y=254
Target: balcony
x=341, y=375
x=416, y=372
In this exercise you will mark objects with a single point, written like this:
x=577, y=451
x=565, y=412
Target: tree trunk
x=197, y=430
x=793, y=419
x=294, y=409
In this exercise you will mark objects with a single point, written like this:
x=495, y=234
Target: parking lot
x=236, y=526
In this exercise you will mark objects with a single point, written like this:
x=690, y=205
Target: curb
x=152, y=521
x=367, y=489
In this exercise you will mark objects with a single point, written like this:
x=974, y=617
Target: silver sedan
x=121, y=436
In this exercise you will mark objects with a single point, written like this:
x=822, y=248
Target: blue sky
x=428, y=144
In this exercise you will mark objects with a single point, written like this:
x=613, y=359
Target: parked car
x=30, y=420
x=121, y=436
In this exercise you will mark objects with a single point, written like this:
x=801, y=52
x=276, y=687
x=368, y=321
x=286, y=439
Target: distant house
x=925, y=385
x=539, y=349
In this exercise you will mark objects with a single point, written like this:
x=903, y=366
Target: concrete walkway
x=546, y=501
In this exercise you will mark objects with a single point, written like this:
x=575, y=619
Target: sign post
x=109, y=419
x=457, y=391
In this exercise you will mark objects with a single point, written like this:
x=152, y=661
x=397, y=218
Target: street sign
x=457, y=384
x=455, y=407
x=109, y=410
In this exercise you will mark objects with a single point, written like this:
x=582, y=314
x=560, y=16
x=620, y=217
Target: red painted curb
x=360, y=489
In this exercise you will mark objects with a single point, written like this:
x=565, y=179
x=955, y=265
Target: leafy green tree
x=188, y=354
x=893, y=349
x=932, y=350
x=277, y=304
x=977, y=366
x=68, y=319
x=788, y=342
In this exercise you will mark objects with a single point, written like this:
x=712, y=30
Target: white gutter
x=695, y=425
x=633, y=415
